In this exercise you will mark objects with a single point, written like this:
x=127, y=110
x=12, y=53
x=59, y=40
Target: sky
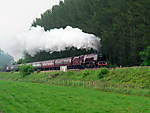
x=17, y=16
x=17, y=35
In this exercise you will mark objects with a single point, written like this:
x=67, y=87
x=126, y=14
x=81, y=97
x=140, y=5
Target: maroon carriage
x=48, y=64
x=63, y=62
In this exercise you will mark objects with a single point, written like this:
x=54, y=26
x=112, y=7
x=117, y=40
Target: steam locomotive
x=77, y=62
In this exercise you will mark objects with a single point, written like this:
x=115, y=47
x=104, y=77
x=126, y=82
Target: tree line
x=5, y=59
x=123, y=25
x=50, y=55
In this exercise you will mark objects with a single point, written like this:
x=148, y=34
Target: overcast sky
x=17, y=15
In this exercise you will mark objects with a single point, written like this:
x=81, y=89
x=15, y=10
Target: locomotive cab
x=102, y=60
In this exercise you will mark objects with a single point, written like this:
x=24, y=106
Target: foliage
x=21, y=61
x=133, y=77
x=123, y=25
x=145, y=56
x=26, y=69
x=133, y=80
x=5, y=59
x=103, y=72
x=44, y=55
x=85, y=74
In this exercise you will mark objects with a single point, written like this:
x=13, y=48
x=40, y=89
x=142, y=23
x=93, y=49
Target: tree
x=5, y=59
x=49, y=55
x=123, y=25
x=26, y=70
x=145, y=56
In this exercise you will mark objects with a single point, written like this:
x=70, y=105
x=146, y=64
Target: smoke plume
x=37, y=39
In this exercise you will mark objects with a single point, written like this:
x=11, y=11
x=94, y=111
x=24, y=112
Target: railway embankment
x=130, y=80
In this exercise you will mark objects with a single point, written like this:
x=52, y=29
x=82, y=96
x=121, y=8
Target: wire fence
x=104, y=86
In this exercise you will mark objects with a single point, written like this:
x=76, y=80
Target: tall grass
x=104, y=86
x=135, y=80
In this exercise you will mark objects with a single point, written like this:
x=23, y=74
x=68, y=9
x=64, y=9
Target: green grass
x=135, y=76
x=20, y=97
x=134, y=80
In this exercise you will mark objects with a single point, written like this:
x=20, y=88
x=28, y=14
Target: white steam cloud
x=37, y=39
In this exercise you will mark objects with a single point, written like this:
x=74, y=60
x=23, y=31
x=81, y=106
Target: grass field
x=20, y=97
x=137, y=76
x=132, y=80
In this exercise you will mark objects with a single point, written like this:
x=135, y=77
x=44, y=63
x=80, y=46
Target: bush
x=145, y=57
x=85, y=74
x=38, y=70
x=103, y=72
x=26, y=69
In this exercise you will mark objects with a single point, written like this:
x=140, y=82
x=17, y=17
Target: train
x=77, y=62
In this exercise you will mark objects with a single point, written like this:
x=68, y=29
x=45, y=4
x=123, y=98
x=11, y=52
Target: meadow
x=131, y=80
x=120, y=90
x=22, y=97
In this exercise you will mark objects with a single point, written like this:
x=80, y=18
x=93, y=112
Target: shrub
x=38, y=70
x=55, y=75
x=103, y=72
x=85, y=74
x=26, y=69
x=145, y=56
